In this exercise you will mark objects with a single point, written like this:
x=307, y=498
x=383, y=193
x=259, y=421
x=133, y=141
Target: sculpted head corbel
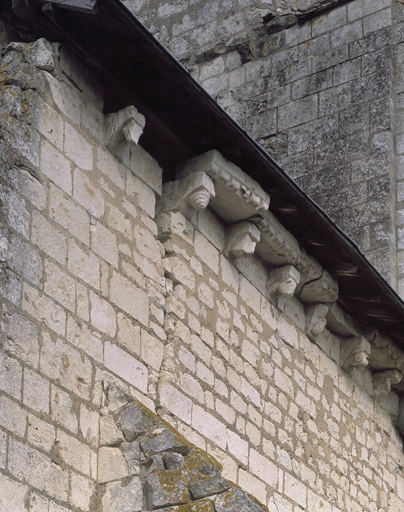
x=282, y=282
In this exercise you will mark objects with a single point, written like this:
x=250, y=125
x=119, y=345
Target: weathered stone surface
x=205, y=488
x=123, y=497
x=158, y=440
x=234, y=499
x=135, y=421
x=167, y=488
x=111, y=464
x=173, y=460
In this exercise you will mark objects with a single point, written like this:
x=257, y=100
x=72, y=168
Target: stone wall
x=315, y=83
x=111, y=281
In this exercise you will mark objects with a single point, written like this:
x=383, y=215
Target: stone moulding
x=125, y=126
x=355, y=353
x=277, y=246
x=237, y=195
x=242, y=240
x=145, y=464
x=340, y=323
x=383, y=381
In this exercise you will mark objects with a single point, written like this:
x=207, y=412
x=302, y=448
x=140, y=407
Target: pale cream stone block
x=60, y=286
x=288, y=332
x=263, y=468
x=70, y=215
x=175, y=402
x=89, y=425
x=77, y=148
x=85, y=266
x=12, y=416
x=40, y=433
x=44, y=309
x=125, y=366
x=103, y=243
x=36, y=391
x=210, y=226
x=252, y=485
x=178, y=271
x=207, y=252
x=128, y=334
x=250, y=295
x=38, y=503
x=88, y=194
x=237, y=446
x=103, y=316
x=56, y=167
x=152, y=350
x=204, y=374
x=250, y=393
x=123, y=497
x=12, y=496
x=277, y=503
x=120, y=222
x=111, y=464
x=209, y=426
x=64, y=97
x=47, y=238
x=75, y=453
x=62, y=409
x=92, y=118
x=192, y=387
x=82, y=302
x=82, y=490
x=146, y=243
x=59, y=361
x=110, y=434
x=229, y=274
x=51, y=125
x=3, y=449
x=81, y=336
x=205, y=294
x=111, y=168
x=146, y=168
x=295, y=490
x=250, y=352
x=128, y=297
x=36, y=469
x=144, y=196
x=10, y=376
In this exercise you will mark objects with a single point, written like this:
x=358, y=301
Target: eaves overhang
x=183, y=121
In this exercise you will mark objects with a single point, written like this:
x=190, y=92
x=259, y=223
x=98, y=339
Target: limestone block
x=209, y=426
x=12, y=416
x=110, y=434
x=129, y=298
x=173, y=460
x=103, y=316
x=63, y=97
x=316, y=283
x=166, y=488
x=125, y=126
x=77, y=149
x=103, y=243
x=205, y=488
x=296, y=490
x=179, y=272
x=47, y=238
x=235, y=499
x=89, y=425
x=241, y=240
x=40, y=433
x=88, y=194
x=82, y=490
x=263, y=468
x=125, y=366
x=145, y=167
x=207, y=252
x=174, y=401
x=10, y=376
x=157, y=441
x=135, y=421
x=195, y=190
x=36, y=391
x=84, y=265
x=111, y=464
x=35, y=469
x=45, y=309
x=60, y=286
x=316, y=320
x=341, y=323
x=133, y=456
x=385, y=354
x=282, y=282
x=237, y=196
x=355, y=352
x=62, y=409
x=68, y=214
x=84, y=338
x=123, y=498
x=75, y=453
x=12, y=495
x=383, y=381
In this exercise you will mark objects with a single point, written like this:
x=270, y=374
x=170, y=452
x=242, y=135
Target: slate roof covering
x=183, y=121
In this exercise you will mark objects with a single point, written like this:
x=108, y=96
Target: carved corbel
x=316, y=320
x=355, y=352
x=385, y=355
x=242, y=240
x=340, y=323
x=317, y=285
x=383, y=381
x=195, y=190
x=282, y=282
x=125, y=126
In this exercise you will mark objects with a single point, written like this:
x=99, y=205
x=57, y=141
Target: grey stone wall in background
x=314, y=83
